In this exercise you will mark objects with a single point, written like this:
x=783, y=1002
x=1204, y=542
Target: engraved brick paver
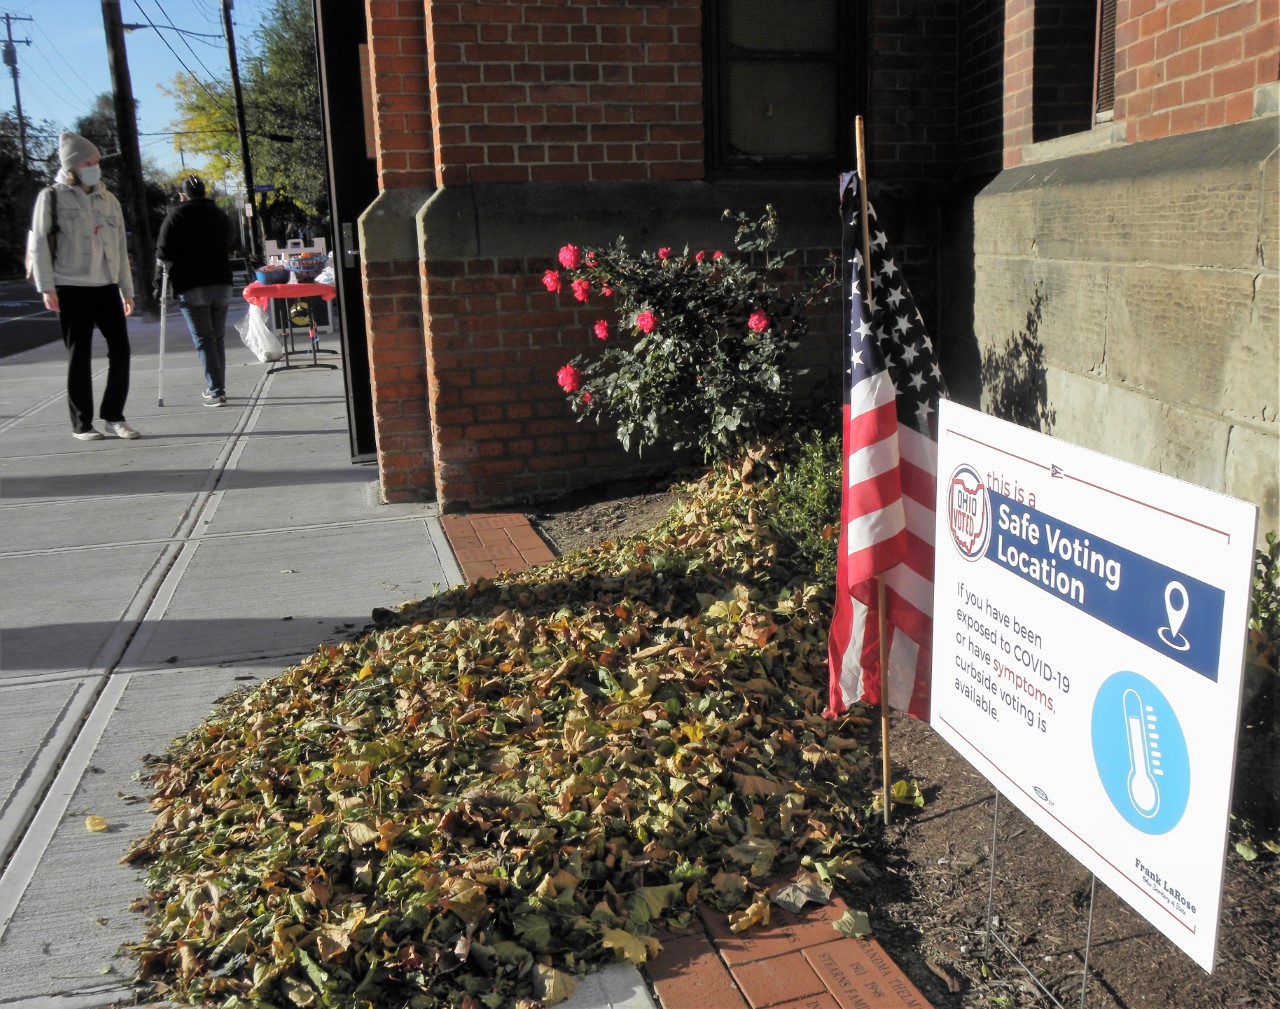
x=859, y=975
x=777, y=979
x=823, y=1001
x=785, y=933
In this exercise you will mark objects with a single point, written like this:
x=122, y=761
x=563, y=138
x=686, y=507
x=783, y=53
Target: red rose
x=664, y=252
x=569, y=378
x=700, y=256
x=757, y=322
x=580, y=289
x=602, y=329
x=586, y=397
x=645, y=321
x=606, y=290
x=591, y=257
x=570, y=257
x=551, y=281
x=717, y=254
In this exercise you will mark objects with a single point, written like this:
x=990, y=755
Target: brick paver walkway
x=488, y=543
x=795, y=962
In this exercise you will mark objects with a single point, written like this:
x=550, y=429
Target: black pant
x=79, y=310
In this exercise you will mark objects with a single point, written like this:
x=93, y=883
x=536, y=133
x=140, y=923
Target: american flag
x=890, y=473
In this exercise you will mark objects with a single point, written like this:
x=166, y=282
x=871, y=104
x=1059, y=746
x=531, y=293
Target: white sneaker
x=93, y=434
x=121, y=430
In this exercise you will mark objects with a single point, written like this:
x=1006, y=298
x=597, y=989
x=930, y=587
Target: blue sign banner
x=1177, y=615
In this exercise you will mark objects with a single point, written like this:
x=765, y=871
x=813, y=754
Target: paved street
x=24, y=323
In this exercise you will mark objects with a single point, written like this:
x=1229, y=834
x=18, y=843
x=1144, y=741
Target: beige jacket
x=74, y=240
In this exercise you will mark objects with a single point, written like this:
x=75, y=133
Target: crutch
x=164, y=302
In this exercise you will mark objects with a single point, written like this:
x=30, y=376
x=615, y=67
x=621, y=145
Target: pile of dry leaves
x=504, y=786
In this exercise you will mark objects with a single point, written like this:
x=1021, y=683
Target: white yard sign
x=1089, y=627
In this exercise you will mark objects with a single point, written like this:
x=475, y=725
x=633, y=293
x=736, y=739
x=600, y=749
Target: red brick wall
x=1019, y=52
x=911, y=90
x=980, y=97
x=402, y=113
x=1188, y=65
x=547, y=90
x=393, y=288
x=398, y=377
x=1181, y=66
x=502, y=428
x=529, y=92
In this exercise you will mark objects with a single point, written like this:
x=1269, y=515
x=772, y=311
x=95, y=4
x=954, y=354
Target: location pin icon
x=1176, y=611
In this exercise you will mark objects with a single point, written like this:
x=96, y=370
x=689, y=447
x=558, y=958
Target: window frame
x=850, y=83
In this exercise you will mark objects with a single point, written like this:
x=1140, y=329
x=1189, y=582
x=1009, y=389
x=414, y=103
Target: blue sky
x=65, y=67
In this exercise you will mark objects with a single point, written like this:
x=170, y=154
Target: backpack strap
x=55, y=228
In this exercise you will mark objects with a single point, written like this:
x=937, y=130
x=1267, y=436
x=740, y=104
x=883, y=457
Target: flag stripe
x=887, y=502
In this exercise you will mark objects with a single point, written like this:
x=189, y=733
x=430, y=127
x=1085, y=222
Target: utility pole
x=133, y=190
x=250, y=203
x=11, y=61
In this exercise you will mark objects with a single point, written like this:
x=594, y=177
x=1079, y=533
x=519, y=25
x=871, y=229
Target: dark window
x=1073, y=81
x=1105, y=102
x=1064, y=67
x=780, y=84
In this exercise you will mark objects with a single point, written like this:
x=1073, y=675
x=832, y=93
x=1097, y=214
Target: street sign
x=263, y=187
x=1089, y=630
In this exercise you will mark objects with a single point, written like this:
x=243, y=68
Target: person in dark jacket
x=193, y=246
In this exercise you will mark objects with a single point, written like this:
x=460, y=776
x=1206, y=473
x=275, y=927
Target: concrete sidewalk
x=145, y=579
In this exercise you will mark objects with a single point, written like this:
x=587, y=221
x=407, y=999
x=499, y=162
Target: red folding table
x=262, y=294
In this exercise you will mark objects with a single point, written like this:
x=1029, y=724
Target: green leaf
x=854, y=924
x=534, y=929
x=1246, y=850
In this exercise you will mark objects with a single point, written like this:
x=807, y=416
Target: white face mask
x=90, y=175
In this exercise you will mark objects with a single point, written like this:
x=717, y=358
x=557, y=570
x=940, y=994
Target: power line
x=57, y=49
x=52, y=89
x=190, y=73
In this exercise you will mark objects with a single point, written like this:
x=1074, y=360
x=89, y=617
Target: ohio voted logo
x=1140, y=753
x=968, y=513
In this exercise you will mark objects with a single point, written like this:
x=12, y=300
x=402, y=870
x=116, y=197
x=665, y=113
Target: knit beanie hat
x=73, y=149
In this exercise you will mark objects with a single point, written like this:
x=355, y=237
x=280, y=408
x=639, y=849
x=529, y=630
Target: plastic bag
x=256, y=334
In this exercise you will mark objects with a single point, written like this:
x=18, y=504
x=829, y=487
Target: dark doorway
x=342, y=52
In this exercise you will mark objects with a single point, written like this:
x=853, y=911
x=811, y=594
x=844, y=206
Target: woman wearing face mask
x=80, y=263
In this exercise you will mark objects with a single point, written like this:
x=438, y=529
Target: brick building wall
x=1125, y=272
x=508, y=128
x=594, y=90
x=554, y=122
x=1192, y=65
x=401, y=119
x=1181, y=66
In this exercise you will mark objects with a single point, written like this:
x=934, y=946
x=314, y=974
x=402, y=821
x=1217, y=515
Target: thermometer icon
x=1144, y=754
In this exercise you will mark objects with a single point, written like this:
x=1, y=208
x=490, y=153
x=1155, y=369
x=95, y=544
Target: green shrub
x=696, y=349
x=809, y=503
x=1264, y=604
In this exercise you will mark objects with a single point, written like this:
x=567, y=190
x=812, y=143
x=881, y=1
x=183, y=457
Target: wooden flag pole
x=885, y=772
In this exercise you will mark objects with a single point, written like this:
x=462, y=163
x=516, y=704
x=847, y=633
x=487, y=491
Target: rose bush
x=697, y=357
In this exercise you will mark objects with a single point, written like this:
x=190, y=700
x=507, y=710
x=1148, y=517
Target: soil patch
x=929, y=901
x=609, y=511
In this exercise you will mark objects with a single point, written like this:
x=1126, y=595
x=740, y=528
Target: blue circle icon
x=1140, y=753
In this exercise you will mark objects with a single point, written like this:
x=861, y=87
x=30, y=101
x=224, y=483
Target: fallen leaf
x=854, y=924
